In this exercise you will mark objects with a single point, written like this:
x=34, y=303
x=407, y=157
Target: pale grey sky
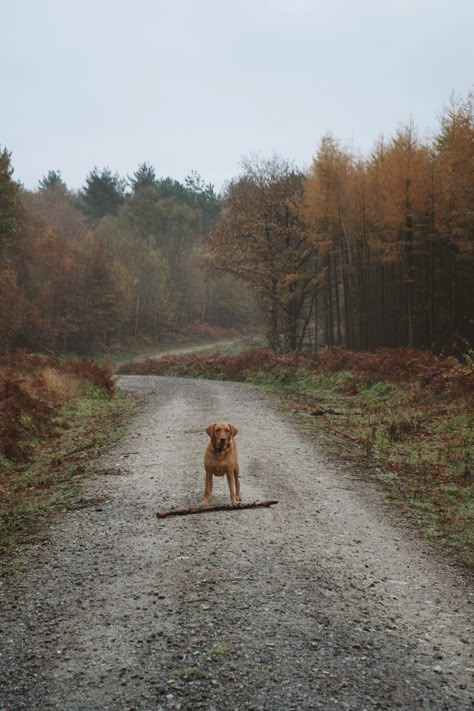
x=197, y=84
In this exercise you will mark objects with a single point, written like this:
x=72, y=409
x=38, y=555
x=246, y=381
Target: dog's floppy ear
x=233, y=429
x=210, y=429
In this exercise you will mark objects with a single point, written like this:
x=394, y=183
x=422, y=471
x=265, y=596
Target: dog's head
x=221, y=434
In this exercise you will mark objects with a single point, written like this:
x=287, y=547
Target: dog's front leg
x=237, y=483
x=207, y=490
x=231, y=483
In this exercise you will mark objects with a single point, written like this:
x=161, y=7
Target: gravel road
x=324, y=601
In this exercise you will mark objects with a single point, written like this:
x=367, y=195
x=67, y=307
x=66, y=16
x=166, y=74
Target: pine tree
x=103, y=194
x=9, y=207
x=143, y=177
x=52, y=181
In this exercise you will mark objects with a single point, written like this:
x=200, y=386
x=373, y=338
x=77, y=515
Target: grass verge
x=44, y=474
x=417, y=444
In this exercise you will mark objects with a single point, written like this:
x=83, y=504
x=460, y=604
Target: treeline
x=360, y=251
x=363, y=251
x=112, y=264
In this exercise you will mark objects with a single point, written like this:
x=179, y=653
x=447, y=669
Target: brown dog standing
x=221, y=458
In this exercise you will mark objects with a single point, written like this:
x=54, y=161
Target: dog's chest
x=218, y=467
x=217, y=462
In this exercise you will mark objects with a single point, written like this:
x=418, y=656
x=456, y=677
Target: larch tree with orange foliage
x=399, y=186
x=454, y=219
x=327, y=216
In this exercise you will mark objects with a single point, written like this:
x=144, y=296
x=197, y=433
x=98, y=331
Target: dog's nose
x=222, y=440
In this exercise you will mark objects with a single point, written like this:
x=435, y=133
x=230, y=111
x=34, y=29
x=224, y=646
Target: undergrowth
x=32, y=390
x=390, y=364
x=406, y=416
x=53, y=415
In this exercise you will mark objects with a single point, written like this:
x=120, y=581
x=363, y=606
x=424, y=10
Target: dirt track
x=324, y=601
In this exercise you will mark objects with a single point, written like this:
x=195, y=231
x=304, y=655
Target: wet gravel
x=325, y=601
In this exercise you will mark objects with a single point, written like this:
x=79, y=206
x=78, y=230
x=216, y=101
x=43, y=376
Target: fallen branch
x=217, y=507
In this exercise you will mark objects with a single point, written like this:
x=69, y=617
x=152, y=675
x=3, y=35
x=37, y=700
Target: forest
x=111, y=265
x=358, y=251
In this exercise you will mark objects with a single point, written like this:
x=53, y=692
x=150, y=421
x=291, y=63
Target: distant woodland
x=359, y=251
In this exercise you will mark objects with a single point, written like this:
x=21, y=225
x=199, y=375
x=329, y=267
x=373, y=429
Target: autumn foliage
x=358, y=252
x=100, y=269
x=364, y=251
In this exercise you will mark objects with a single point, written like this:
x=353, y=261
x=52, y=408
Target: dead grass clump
x=98, y=374
x=61, y=386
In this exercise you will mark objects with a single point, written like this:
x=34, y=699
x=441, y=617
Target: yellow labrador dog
x=221, y=458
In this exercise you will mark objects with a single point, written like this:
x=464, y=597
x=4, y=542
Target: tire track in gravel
x=324, y=601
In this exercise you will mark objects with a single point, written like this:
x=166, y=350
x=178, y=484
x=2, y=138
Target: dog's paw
x=203, y=504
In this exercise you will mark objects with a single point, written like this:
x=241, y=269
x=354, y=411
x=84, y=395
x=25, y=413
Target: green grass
x=220, y=649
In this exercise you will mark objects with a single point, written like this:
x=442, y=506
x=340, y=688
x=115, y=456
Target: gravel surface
x=324, y=601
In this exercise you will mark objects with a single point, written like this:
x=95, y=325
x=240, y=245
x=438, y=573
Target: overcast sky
x=197, y=84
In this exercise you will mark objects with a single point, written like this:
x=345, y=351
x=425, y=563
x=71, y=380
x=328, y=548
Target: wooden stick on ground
x=216, y=507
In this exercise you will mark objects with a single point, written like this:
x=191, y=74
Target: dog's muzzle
x=221, y=447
